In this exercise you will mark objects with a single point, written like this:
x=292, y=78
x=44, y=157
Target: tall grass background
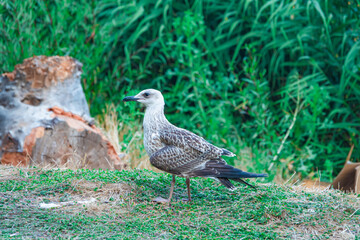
x=276, y=82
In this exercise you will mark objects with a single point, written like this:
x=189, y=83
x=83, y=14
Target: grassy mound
x=121, y=207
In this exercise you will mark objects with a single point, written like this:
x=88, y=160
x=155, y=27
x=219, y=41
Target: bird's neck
x=154, y=118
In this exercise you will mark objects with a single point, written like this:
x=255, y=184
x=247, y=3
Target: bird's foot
x=161, y=200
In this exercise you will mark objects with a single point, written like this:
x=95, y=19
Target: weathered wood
x=348, y=179
x=45, y=120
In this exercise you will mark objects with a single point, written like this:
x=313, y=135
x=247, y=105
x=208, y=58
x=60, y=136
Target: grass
x=123, y=208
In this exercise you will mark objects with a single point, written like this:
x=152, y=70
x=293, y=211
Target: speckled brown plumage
x=179, y=151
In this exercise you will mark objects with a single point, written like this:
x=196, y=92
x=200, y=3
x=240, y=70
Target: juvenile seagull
x=181, y=152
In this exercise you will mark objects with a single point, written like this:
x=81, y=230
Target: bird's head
x=148, y=97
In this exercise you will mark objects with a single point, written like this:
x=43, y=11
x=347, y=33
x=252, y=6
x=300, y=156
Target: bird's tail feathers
x=226, y=183
x=224, y=173
x=243, y=182
x=219, y=169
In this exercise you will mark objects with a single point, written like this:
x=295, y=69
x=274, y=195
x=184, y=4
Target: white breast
x=152, y=143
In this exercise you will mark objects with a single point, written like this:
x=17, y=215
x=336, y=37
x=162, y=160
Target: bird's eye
x=146, y=94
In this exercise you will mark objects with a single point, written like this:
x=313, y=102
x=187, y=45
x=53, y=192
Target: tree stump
x=45, y=120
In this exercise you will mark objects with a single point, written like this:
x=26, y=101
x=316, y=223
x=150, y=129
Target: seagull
x=180, y=152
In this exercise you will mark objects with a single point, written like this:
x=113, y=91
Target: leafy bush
x=276, y=81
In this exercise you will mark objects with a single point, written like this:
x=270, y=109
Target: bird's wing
x=176, y=160
x=189, y=163
x=185, y=139
x=220, y=169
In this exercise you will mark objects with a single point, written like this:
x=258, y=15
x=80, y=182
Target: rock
x=45, y=120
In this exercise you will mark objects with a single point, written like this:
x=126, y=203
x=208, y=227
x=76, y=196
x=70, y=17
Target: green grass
x=276, y=82
x=124, y=208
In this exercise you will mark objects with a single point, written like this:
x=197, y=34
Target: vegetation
x=123, y=208
x=276, y=82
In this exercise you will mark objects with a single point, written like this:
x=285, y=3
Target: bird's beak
x=130, y=98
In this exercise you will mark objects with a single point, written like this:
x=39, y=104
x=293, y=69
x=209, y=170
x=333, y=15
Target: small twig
x=354, y=212
x=349, y=154
x=289, y=179
x=297, y=110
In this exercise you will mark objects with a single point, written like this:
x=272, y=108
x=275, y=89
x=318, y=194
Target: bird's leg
x=172, y=187
x=188, y=190
x=163, y=200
